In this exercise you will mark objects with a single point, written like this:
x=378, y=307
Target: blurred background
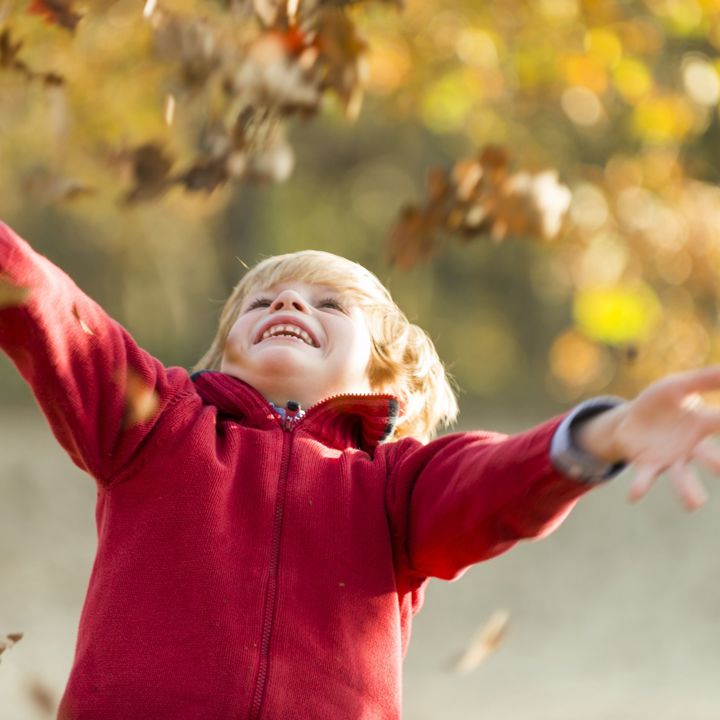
x=535, y=181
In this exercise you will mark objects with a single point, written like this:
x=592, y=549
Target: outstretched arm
x=665, y=428
x=466, y=497
x=101, y=393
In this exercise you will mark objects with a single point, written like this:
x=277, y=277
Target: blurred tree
x=121, y=121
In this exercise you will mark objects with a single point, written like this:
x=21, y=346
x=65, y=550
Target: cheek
x=359, y=347
x=236, y=341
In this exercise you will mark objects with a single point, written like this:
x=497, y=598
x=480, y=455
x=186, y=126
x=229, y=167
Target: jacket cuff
x=573, y=461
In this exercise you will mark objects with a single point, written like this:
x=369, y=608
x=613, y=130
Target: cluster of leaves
x=583, y=87
x=252, y=66
x=621, y=98
x=479, y=197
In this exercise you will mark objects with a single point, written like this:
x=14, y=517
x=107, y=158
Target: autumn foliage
x=587, y=127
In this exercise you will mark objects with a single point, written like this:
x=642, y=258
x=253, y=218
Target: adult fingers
x=687, y=485
x=645, y=476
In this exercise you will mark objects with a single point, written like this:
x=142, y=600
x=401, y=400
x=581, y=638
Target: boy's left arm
x=466, y=497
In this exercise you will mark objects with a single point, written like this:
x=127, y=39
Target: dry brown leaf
x=480, y=196
x=343, y=57
x=9, y=640
x=58, y=12
x=11, y=295
x=83, y=324
x=9, y=49
x=191, y=42
x=205, y=174
x=141, y=400
x=272, y=77
x=413, y=238
x=484, y=642
x=42, y=697
x=150, y=168
x=49, y=188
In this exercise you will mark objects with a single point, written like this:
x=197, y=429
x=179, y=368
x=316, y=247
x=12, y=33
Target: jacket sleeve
x=467, y=497
x=102, y=395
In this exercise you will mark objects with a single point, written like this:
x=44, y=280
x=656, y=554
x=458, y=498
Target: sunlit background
x=559, y=298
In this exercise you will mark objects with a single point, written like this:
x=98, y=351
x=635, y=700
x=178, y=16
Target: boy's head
x=307, y=325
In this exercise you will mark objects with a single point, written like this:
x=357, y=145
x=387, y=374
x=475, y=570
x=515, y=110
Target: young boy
x=267, y=526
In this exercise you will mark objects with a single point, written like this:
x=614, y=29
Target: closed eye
x=258, y=302
x=331, y=303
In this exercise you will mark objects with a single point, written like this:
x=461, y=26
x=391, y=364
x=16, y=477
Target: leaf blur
x=538, y=181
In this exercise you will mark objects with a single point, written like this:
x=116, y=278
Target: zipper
x=288, y=423
x=293, y=418
x=292, y=410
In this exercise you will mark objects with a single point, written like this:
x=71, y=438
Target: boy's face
x=299, y=341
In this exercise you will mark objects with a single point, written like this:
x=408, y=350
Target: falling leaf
x=11, y=295
x=9, y=640
x=151, y=168
x=10, y=60
x=413, y=238
x=83, y=324
x=484, y=642
x=49, y=188
x=206, y=174
x=42, y=697
x=343, y=56
x=270, y=75
x=141, y=400
x=189, y=41
x=8, y=49
x=58, y=12
x=480, y=196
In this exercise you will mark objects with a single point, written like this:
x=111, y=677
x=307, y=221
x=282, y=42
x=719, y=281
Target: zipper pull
x=291, y=410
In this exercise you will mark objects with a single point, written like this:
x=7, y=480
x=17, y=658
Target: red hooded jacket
x=249, y=567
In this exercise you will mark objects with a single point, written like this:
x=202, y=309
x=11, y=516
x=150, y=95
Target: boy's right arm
x=101, y=393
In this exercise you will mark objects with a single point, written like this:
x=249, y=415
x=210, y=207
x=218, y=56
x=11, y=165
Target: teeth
x=290, y=331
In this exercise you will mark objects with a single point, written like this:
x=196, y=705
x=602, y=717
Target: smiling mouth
x=289, y=332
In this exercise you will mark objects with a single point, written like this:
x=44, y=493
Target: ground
x=614, y=617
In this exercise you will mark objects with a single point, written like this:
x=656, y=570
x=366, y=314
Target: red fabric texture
x=244, y=571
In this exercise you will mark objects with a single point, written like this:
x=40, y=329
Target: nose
x=289, y=300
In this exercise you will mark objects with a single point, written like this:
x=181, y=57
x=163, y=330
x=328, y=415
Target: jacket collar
x=341, y=421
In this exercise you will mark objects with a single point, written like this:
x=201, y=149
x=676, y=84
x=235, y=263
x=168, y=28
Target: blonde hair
x=403, y=361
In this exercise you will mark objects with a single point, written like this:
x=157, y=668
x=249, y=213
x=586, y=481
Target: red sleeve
x=101, y=393
x=467, y=497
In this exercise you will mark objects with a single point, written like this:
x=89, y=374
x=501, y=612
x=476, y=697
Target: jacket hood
x=341, y=421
